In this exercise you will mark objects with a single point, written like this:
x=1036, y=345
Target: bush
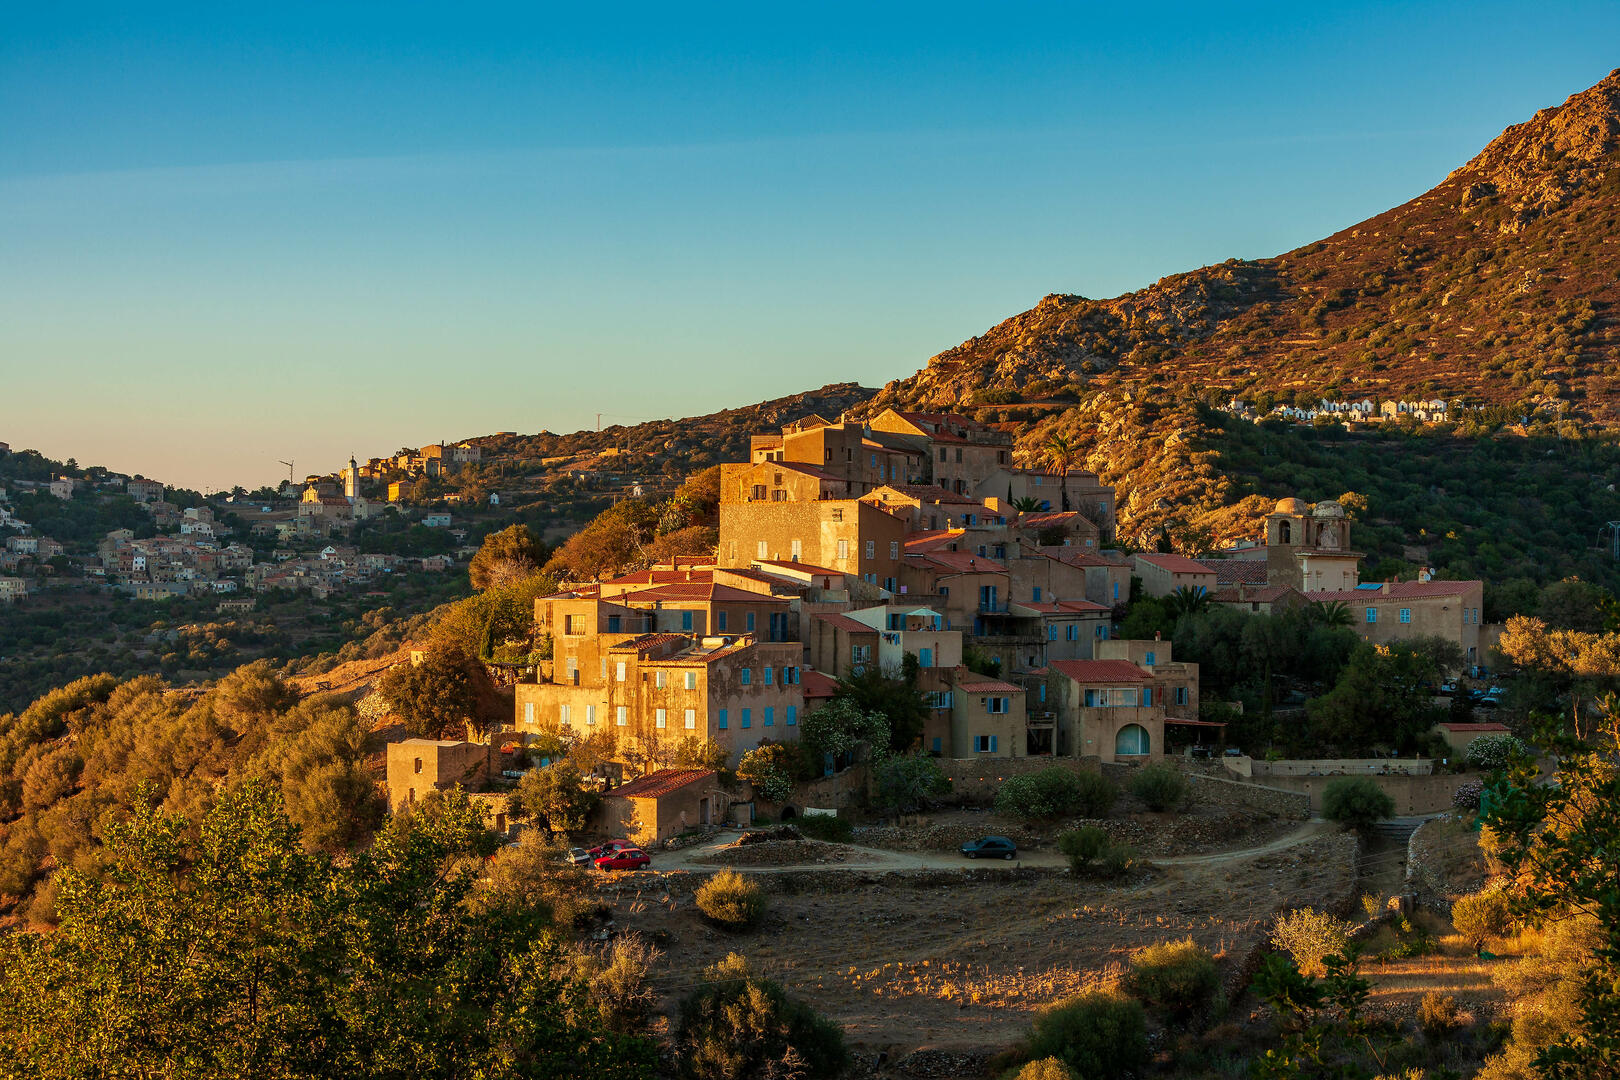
x=1056, y=791
x=1309, y=936
x=1091, y=850
x=1356, y=802
x=1045, y=1069
x=1160, y=786
x=827, y=827
x=1483, y=915
x=738, y=1026
x=1438, y=1015
x=1493, y=752
x=730, y=900
x=908, y=782
x=1468, y=795
x=1115, y=860
x=1176, y=977
x=1100, y=1035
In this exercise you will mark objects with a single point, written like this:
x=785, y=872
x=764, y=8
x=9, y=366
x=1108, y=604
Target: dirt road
x=867, y=858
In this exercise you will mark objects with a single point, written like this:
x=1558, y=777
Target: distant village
x=1352, y=414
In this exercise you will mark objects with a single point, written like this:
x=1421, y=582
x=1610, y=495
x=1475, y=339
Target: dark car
x=608, y=847
x=990, y=847
x=629, y=858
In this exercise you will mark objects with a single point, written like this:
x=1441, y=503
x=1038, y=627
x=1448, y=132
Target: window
x=1116, y=590
x=1147, y=695
x=528, y=712
x=1152, y=658
x=874, y=461
x=590, y=714
x=763, y=551
x=748, y=622
x=1132, y=741
x=770, y=675
x=1042, y=690
x=1406, y=614
x=1372, y=614
x=614, y=621
x=925, y=658
x=995, y=705
x=691, y=680
x=659, y=718
x=1071, y=632
x=573, y=624
x=417, y=767
x=748, y=718
x=838, y=513
x=686, y=620
x=720, y=617
x=1051, y=632
x=1037, y=591
x=618, y=671
x=770, y=716
x=1102, y=631
x=796, y=550
x=747, y=676
x=943, y=455
x=1091, y=699
x=843, y=549
x=759, y=491
x=658, y=679
x=725, y=719
x=871, y=549
x=564, y=714
x=623, y=716
x=573, y=671
x=894, y=549
x=792, y=715
x=936, y=737
x=984, y=744
x=1181, y=695
x=690, y=718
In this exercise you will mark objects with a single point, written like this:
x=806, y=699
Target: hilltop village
x=917, y=546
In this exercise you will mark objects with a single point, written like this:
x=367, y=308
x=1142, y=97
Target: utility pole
x=1613, y=529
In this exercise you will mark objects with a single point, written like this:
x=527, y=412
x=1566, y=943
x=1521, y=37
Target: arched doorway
x=788, y=813
x=1132, y=741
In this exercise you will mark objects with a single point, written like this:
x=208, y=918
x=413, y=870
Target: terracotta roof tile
x=1100, y=671
x=817, y=684
x=845, y=623
x=663, y=782
x=973, y=683
x=1176, y=564
x=1397, y=590
x=1238, y=571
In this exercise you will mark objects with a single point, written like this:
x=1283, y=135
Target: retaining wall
x=1264, y=797
x=1412, y=794
x=978, y=779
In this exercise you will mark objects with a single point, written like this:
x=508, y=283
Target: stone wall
x=976, y=780
x=1270, y=799
x=1340, y=767
x=1412, y=794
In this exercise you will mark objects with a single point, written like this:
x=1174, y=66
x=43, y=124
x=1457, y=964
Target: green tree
x=506, y=557
x=840, y=729
x=556, y=795
x=1356, y=802
x=770, y=767
x=908, y=781
x=894, y=697
x=738, y=1026
x=232, y=951
x=1100, y=1034
x=433, y=698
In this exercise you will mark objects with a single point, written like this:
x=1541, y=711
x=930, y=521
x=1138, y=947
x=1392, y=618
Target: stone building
x=418, y=766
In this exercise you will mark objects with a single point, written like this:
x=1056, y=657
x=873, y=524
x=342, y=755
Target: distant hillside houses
x=1348, y=413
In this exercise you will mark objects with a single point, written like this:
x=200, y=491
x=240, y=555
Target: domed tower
x=1308, y=547
x=351, y=479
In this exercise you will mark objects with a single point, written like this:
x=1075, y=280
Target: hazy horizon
x=239, y=238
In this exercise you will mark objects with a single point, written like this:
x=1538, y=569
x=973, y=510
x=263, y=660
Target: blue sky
x=228, y=238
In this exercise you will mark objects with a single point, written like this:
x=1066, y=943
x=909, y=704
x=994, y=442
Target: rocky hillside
x=1497, y=286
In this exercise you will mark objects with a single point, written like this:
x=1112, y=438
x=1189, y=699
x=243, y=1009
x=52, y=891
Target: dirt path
x=866, y=858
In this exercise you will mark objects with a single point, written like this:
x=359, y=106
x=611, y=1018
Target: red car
x=608, y=847
x=629, y=858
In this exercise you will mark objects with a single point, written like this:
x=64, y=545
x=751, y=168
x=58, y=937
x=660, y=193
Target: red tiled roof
x=1464, y=729
x=697, y=590
x=921, y=542
x=972, y=682
x=808, y=470
x=802, y=567
x=1100, y=671
x=663, y=782
x=1061, y=607
x=650, y=641
x=817, y=684
x=1398, y=590
x=933, y=493
x=956, y=562
x=1176, y=564
x=1042, y=520
x=845, y=623
x=1256, y=594
x=1238, y=571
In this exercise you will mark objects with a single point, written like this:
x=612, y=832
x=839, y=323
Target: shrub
x=1176, y=977
x=738, y=1026
x=1083, y=845
x=1100, y=1035
x=827, y=827
x=1045, y=1069
x=1309, y=936
x=1115, y=860
x=905, y=783
x=1056, y=791
x=1438, y=1014
x=1493, y=752
x=1160, y=786
x=1468, y=795
x=1356, y=802
x=1482, y=915
x=730, y=900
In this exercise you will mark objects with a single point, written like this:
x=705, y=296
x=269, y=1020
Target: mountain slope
x=1498, y=286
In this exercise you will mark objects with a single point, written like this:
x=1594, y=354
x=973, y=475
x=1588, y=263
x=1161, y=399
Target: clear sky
x=230, y=237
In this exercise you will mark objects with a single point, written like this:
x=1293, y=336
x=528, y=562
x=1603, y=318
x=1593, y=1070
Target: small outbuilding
x=1458, y=736
x=663, y=804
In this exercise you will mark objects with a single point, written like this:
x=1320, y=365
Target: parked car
x=1200, y=752
x=1232, y=751
x=607, y=847
x=629, y=858
x=1449, y=686
x=990, y=847
x=1495, y=693
x=577, y=856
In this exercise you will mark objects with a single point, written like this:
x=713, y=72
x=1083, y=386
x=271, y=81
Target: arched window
x=1285, y=533
x=1132, y=741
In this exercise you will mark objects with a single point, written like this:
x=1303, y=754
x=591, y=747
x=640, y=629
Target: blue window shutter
x=686, y=620
x=792, y=715
x=992, y=744
x=749, y=621
x=723, y=718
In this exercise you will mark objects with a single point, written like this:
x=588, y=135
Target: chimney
x=1156, y=635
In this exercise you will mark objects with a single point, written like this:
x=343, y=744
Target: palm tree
x=1187, y=600
x=1061, y=452
x=1331, y=613
x=1027, y=505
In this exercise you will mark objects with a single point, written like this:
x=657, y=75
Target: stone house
x=986, y=719
x=663, y=804
x=1402, y=610
x=418, y=766
x=1163, y=574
